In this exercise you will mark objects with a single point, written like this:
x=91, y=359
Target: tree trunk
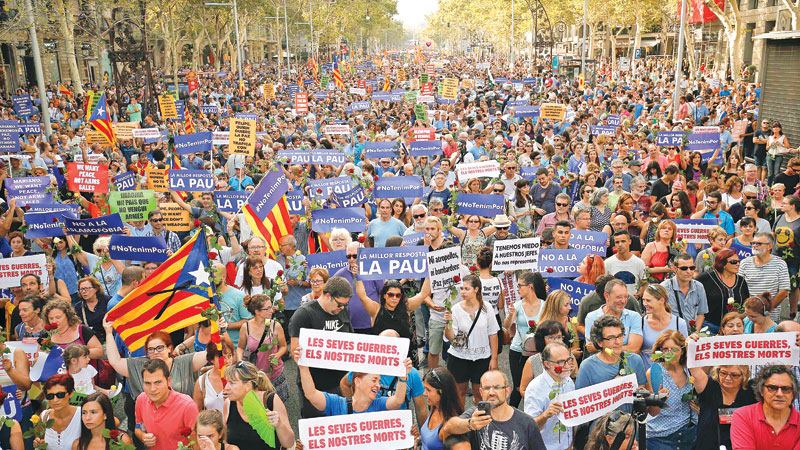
x=66, y=22
x=794, y=10
x=689, y=50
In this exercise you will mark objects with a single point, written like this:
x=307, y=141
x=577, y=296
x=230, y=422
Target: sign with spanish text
x=157, y=179
x=166, y=103
x=393, y=263
x=575, y=289
x=516, y=254
x=744, y=349
x=444, y=268
x=594, y=241
x=242, y=138
x=561, y=263
x=132, y=206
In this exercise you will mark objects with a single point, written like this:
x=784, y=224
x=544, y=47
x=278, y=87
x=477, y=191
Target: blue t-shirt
x=336, y=405
x=631, y=319
x=380, y=230
x=414, y=388
x=593, y=370
x=725, y=220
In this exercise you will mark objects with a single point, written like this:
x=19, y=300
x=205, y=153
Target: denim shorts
x=760, y=158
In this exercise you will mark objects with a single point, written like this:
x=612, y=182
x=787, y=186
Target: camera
x=643, y=398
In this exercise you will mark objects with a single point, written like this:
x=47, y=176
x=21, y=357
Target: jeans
x=516, y=363
x=773, y=167
x=682, y=439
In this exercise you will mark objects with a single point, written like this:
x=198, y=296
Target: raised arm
x=399, y=396
x=118, y=363
x=370, y=305
x=315, y=397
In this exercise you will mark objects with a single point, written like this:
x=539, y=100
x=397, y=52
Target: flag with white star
x=101, y=121
x=174, y=296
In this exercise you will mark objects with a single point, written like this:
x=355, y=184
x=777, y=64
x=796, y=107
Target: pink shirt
x=166, y=421
x=751, y=431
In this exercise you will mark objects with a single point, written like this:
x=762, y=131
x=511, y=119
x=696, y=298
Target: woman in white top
x=777, y=147
x=66, y=427
x=472, y=332
x=208, y=387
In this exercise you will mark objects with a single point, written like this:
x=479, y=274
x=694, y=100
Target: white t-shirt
x=439, y=297
x=477, y=346
x=83, y=380
x=271, y=268
x=491, y=290
x=630, y=271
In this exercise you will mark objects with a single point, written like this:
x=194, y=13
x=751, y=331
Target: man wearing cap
x=700, y=109
x=502, y=225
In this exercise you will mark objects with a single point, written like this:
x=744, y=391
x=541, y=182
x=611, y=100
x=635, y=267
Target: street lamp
x=238, y=41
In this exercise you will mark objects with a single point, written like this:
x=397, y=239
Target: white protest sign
x=220, y=137
x=743, y=349
x=337, y=129
x=93, y=158
x=516, y=254
x=387, y=430
x=709, y=129
x=353, y=352
x=12, y=269
x=443, y=266
x=358, y=91
x=591, y=402
x=490, y=169
x=146, y=133
x=31, y=349
x=426, y=99
x=695, y=231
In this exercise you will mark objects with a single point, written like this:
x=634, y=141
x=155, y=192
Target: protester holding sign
x=558, y=364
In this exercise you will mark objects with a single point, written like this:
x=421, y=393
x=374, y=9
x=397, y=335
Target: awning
x=650, y=42
x=779, y=35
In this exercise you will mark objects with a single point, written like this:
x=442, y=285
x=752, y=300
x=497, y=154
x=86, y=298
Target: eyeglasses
x=352, y=256
x=242, y=365
x=493, y=388
x=393, y=295
x=316, y=281
x=613, y=338
x=685, y=268
x=418, y=216
x=158, y=349
x=562, y=362
x=340, y=304
x=562, y=204
x=731, y=375
x=85, y=289
x=756, y=244
x=734, y=262
x=50, y=396
x=436, y=210
x=501, y=228
x=774, y=389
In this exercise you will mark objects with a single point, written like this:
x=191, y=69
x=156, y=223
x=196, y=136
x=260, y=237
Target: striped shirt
x=771, y=277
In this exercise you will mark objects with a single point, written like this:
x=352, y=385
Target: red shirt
x=751, y=431
x=166, y=421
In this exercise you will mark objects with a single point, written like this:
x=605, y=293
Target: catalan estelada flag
x=188, y=125
x=64, y=91
x=171, y=298
x=101, y=121
x=337, y=75
x=267, y=211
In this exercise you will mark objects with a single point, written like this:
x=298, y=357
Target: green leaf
x=106, y=433
x=49, y=423
x=552, y=395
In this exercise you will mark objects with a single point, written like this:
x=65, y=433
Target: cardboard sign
x=443, y=266
x=592, y=402
x=743, y=349
x=87, y=178
x=553, y=111
x=132, y=206
x=489, y=169
x=353, y=352
x=391, y=263
x=508, y=283
x=269, y=91
x=157, y=179
x=12, y=269
x=695, y=231
x=242, y=137
x=516, y=254
x=387, y=430
x=450, y=88
x=166, y=103
x=96, y=137
x=174, y=217
x=124, y=130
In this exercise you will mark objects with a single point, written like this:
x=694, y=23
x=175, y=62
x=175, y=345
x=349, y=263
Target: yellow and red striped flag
x=64, y=91
x=101, y=121
x=337, y=75
x=267, y=211
x=171, y=298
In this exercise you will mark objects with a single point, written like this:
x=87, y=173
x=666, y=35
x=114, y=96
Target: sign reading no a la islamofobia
x=242, y=137
x=591, y=402
x=516, y=254
x=353, y=352
x=490, y=169
x=744, y=349
x=386, y=430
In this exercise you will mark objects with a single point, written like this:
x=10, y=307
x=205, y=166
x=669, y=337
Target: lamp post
x=37, y=64
x=679, y=63
x=238, y=41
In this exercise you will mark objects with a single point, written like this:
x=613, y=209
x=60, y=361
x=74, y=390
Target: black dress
x=241, y=434
x=392, y=320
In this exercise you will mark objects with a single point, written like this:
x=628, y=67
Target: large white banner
x=743, y=349
x=591, y=402
x=353, y=352
x=387, y=430
x=12, y=269
x=465, y=171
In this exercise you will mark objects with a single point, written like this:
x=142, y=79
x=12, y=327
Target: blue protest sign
x=322, y=189
x=557, y=263
x=741, y=250
x=599, y=129
x=381, y=150
x=425, y=148
x=703, y=141
x=23, y=107
x=516, y=103
x=393, y=187
x=669, y=138
x=529, y=81
x=53, y=208
x=46, y=224
x=9, y=136
x=247, y=116
x=180, y=108
x=138, y=248
x=30, y=128
x=193, y=143
x=295, y=201
x=230, y=201
x=526, y=111
x=209, y=109
x=360, y=106
x=500, y=80
x=29, y=190
x=330, y=261
x=320, y=156
x=126, y=181
x=353, y=220
x=594, y=241
x=575, y=289
x=191, y=180
x=321, y=95
x=528, y=172
x=110, y=224
x=412, y=238
x=613, y=120
x=484, y=205
x=393, y=263
x=353, y=197
x=398, y=95
x=382, y=95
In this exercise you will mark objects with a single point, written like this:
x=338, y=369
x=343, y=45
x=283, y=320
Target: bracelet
x=469, y=424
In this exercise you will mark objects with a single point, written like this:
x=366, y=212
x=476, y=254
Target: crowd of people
x=652, y=291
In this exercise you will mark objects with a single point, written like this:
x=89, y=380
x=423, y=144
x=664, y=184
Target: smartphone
x=485, y=407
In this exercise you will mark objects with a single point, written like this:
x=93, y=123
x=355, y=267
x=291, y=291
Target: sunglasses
x=685, y=268
x=562, y=204
x=498, y=191
x=339, y=304
x=393, y=295
x=155, y=220
x=733, y=261
x=352, y=256
x=418, y=216
x=54, y=395
x=774, y=389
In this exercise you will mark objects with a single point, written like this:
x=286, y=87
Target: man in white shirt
x=558, y=364
x=625, y=265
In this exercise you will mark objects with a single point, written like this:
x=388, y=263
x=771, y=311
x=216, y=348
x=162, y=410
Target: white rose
x=730, y=300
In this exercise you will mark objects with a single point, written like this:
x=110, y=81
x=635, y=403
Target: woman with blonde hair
x=656, y=254
x=557, y=307
x=733, y=192
x=243, y=379
x=657, y=319
x=732, y=324
x=317, y=276
x=264, y=332
x=717, y=238
x=210, y=431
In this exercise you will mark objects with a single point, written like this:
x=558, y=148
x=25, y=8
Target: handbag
x=253, y=356
x=461, y=340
